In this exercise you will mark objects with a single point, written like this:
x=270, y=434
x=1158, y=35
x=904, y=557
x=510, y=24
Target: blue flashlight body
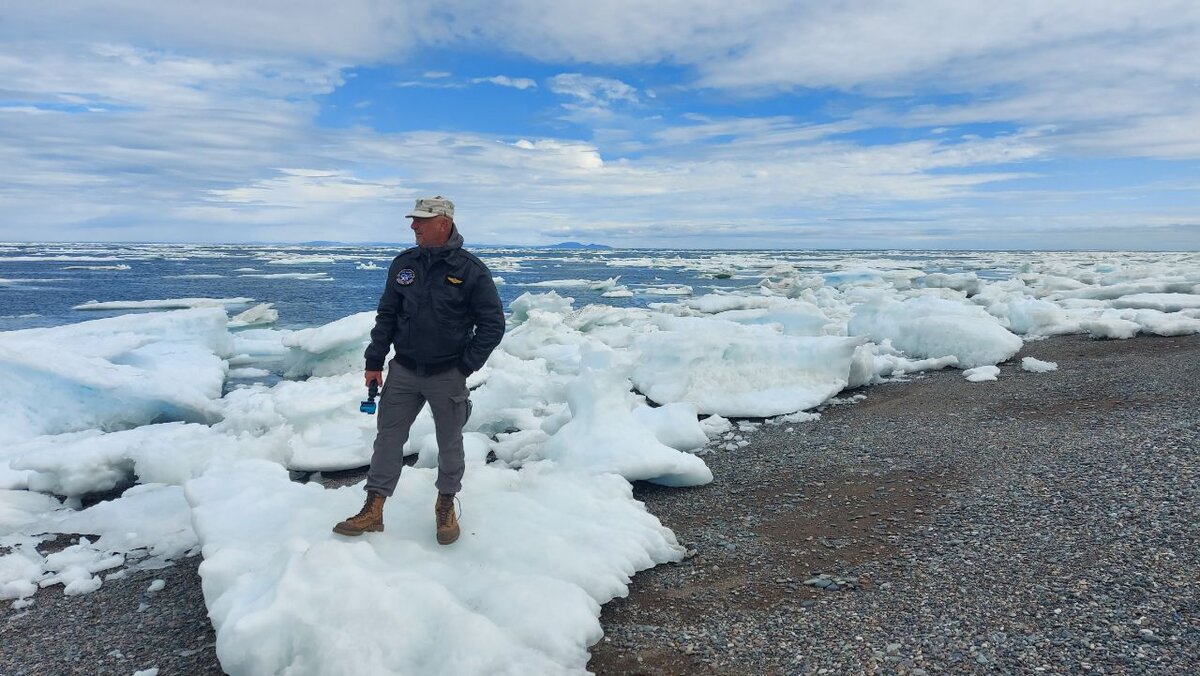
x=368, y=406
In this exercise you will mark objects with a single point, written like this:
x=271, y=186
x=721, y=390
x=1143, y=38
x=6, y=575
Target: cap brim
x=417, y=213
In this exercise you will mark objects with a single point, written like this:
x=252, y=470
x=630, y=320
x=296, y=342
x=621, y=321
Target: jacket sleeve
x=385, y=325
x=488, y=315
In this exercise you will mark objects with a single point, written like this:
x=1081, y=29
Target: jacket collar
x=447, y=250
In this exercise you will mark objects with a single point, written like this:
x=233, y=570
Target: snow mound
x=519, y=593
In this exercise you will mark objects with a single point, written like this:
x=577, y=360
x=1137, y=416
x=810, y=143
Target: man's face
x=433, y=231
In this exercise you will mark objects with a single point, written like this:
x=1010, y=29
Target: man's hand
x=377, y=376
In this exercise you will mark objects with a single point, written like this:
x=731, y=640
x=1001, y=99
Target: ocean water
x=40, y=284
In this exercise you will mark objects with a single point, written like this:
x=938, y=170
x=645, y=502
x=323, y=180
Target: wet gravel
x=1045, y=522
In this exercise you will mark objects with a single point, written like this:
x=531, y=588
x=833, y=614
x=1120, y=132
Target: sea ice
x=981, y=373
x=1037, y=365
x=519, y=593
x=111, y=373
x=926, y=327
x=603, y=435
x=744, y=371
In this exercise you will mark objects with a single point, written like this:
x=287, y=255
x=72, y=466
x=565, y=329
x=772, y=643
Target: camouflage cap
x=428, y=207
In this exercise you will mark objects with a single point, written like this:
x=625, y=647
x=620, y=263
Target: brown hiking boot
x=368, y=520
x=447, y=522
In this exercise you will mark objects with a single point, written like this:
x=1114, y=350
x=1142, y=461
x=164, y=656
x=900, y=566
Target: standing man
x=441, y=312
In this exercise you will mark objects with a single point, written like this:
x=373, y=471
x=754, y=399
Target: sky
x=957, y=124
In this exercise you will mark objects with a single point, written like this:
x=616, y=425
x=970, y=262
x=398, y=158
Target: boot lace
x=367, y=506
x=445, y=508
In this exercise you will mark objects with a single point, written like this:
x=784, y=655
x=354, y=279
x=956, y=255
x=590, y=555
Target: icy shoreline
x=576, y=403
x=108, y=633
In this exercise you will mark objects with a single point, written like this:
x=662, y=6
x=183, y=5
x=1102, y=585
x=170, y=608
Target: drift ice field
x=194, y=383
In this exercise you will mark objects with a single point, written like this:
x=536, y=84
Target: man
x=441, y=312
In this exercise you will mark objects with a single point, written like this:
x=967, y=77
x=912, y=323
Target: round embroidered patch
x=405, y=277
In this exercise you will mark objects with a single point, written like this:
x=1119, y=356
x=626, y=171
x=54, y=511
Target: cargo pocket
x=462, y=406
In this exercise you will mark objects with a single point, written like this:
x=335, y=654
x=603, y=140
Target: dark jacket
x=439, y=310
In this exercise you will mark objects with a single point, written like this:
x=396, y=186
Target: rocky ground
x=1045, y=522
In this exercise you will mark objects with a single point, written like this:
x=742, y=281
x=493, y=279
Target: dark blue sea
x=313, y=285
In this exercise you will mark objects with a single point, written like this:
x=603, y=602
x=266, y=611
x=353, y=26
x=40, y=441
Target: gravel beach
x=1044, y=522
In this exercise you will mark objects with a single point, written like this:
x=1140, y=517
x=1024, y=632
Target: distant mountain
x=577, y=245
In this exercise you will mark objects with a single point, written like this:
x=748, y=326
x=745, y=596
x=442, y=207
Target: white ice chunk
x=1166, y=302
x=1110, y=327
x=248, y=373
x=673, y=290
x=332, y=349
x=1037, y=365
x=549, y=302
x=302, y=260
x=981, y=373
x=262, y=313
x=310, y=425
x=714, y=303
x=603, y=436
x=594, y=285
x=112, y=373
x=676, y=425
x=89, y=462
x=934, y=327
x=714, y=426
x=166, y=304
x=20, y=508
x=1033, y=317
x=744, y=371
x=967, y=282
x=519, y=593
x=1165, y=323
x=1150, y=288
x=152, y=520
x=872, y=363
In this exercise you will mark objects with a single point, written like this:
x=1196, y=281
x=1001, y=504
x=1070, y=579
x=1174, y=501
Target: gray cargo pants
x=403, y=396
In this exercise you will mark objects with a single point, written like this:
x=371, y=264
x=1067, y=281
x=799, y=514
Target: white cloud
x=505, y=81
x=189, y=140
x=591, y=90
x=1101, y=67
x=305, y=187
